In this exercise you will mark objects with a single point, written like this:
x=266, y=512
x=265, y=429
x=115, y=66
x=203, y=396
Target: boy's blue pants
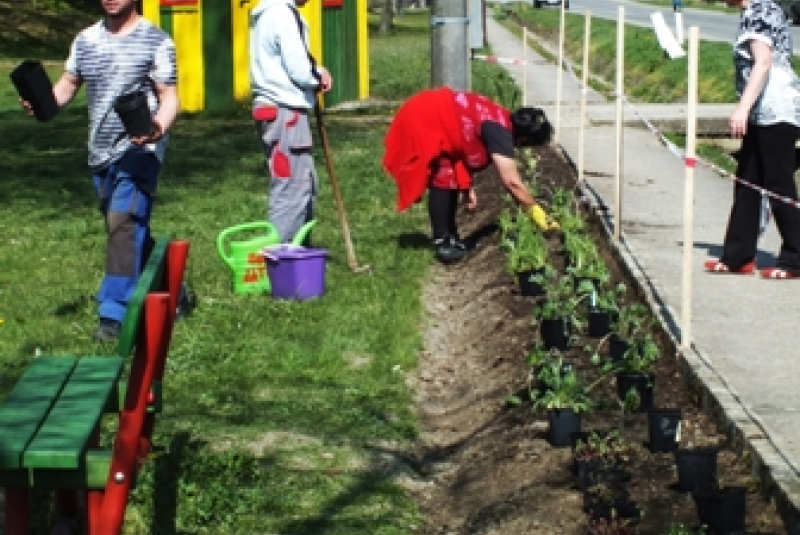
x=125, y=190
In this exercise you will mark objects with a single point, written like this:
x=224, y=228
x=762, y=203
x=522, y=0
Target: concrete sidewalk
x=744, y=356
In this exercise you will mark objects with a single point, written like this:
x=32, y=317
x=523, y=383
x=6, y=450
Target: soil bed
x=485, y=466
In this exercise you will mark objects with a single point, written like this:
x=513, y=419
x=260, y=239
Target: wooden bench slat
x=151, y=279
x=92, y=474
x=26, y=407
x=63, y=437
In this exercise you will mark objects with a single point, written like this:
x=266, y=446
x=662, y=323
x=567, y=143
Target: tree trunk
x=386, y=17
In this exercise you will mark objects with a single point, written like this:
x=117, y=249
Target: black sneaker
x=107, y=330
x=449, y=250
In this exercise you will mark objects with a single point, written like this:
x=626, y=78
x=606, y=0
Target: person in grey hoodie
x=285, y=80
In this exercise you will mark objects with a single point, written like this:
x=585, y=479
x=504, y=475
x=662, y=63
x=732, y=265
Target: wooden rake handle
x=337, y=194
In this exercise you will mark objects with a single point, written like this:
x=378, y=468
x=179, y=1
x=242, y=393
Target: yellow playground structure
x=211, y=37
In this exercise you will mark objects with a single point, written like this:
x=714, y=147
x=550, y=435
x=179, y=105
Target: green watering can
x=244, y=257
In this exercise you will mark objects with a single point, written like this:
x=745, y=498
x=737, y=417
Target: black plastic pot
x=599, y=322
x=617, y=347
x=584, y=471
x=662, y=429
x=555, y=333
x=723, y=511
x=527, y=286
x=562, y=423
x=642, y=383
x=34, y=86
x=697, y=470
x=134, y=113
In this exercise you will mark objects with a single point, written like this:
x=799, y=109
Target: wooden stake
x=619, y=122
x=560, y=73
x=584, y=90
x=688, y=197
x=524, y=66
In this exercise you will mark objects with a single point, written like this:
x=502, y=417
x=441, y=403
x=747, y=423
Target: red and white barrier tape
x=506, y=61
x=495, y=59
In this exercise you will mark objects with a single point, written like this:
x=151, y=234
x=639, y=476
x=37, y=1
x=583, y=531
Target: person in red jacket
x=440, y=137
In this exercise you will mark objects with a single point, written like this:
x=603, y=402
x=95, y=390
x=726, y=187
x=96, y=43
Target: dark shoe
x=107, y=330
x=449, y=250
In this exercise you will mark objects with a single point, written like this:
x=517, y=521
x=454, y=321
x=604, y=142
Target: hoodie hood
x=264, y=5
x=282, y=71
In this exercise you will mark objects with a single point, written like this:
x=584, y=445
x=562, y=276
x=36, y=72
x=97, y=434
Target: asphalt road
x=712, y=25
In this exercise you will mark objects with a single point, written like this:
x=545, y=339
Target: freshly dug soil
x=484, y=465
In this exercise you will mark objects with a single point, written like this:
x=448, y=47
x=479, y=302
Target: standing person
x=120, y=54
x=285, y=80
x=440, y=137
x=766, y=118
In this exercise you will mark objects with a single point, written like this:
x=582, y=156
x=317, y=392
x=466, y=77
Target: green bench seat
x=48, y=420
x=28, y=404
x=64, y=436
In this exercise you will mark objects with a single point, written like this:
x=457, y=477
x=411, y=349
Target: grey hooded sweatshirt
x=282, y=70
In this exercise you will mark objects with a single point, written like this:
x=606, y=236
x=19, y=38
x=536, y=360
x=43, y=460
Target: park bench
x=49, y=423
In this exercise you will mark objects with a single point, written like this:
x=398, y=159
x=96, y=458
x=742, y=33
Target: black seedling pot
x=599, y=322
x=527, y=286
x=562, y=423
x=555, y=333
x=697, y=470
x=662, y=428
x=722, y=511
x=33, y=86
x=134, y=113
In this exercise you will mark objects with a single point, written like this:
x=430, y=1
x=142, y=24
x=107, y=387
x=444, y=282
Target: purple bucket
x=296, y=272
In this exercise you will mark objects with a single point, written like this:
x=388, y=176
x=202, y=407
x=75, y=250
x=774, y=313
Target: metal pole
x=449, y=44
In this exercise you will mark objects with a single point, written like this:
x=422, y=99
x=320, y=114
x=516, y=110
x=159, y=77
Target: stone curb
x=779, y=480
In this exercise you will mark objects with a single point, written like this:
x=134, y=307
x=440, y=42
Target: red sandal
x=716, y=266
x=779, y=273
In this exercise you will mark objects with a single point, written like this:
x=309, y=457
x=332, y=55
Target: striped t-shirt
x=113, y=65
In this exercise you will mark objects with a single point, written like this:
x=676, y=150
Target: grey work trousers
x=287, y=146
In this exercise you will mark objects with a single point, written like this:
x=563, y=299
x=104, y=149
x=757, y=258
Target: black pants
x=442, y=206
x=766, y=159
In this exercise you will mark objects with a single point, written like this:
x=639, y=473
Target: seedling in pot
x=539, y=357
x=609, y=450
x=525, y=245
x=565, y=209
x=560, y=387
x=561, y=300
x=630, y=327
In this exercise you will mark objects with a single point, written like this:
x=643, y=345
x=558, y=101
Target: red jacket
x=438, y=123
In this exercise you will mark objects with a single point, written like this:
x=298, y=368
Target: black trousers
x=766, y=159
x=442, y=207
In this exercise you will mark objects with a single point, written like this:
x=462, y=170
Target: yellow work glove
x=539, y=216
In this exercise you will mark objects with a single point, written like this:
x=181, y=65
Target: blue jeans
x=125, y=190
